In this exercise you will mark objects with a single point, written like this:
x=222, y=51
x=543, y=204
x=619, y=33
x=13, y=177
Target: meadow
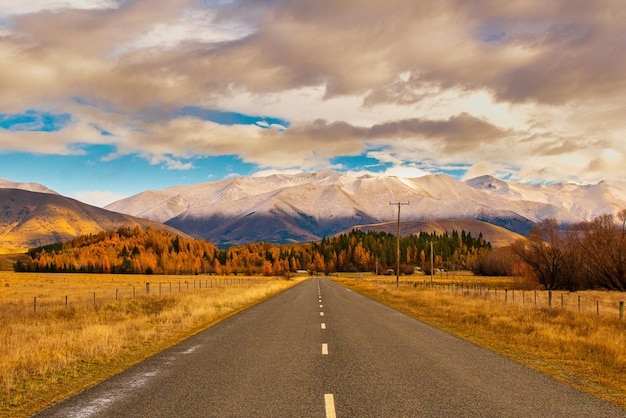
x=61, y=333
x=580, y=347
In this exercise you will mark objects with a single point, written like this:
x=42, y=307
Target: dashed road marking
x=329, y=399
x=329, y=403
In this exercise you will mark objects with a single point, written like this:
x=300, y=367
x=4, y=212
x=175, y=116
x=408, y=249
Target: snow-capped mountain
x=584, y=202
x=305, y=207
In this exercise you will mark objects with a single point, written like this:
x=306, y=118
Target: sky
x=103, y=99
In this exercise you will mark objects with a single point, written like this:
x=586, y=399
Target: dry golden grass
x=513, y=290
x=582, y=349
x=56, y=350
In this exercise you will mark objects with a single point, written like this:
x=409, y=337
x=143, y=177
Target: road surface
x=321, y=350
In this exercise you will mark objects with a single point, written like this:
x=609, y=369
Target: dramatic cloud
x=532, y=90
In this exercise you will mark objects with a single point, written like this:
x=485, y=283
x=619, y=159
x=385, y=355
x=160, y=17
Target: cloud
x=607, y=159
x=99, y=198
x=405, y=171
x=58, y=141
x=35, y=6
x=177, y=49
x=274, y=171
x=521, y=88
x=486, y=168
x=170, y=163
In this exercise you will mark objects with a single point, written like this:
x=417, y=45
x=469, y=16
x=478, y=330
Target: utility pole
x=432, y=263
x=399, y=204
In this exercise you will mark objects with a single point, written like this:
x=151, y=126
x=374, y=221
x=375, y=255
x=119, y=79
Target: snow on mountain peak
x=339, y=200
x=490, y=184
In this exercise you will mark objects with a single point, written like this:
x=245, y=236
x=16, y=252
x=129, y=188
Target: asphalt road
x=321, y=350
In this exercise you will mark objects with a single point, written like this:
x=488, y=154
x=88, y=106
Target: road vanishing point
x=319, y=349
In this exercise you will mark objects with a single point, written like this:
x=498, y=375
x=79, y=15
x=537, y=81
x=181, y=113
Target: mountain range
x=306, y=207
x=309, y=206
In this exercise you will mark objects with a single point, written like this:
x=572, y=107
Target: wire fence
x=54, y=298
x=596, y=303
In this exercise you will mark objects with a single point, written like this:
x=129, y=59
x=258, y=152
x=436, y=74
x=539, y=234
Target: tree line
x=149, y=251
x=571, y=257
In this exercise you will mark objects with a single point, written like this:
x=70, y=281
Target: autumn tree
x=550, y=255
x=601, y=245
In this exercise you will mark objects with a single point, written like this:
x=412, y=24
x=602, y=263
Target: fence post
x=562, y=300
x=116, y=291
x=506, y=295
x=578, y=303
x=147, y=288
x=94, y=299
x=65, y=301
x=621, y=310
x=35, y=305
x=597, y=308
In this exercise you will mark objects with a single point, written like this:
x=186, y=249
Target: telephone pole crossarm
x=399, y=204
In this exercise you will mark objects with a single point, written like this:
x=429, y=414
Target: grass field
x=581, y=348
x=53, y=348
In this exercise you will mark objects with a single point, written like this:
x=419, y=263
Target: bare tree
x=602, y=246
x=549, y=253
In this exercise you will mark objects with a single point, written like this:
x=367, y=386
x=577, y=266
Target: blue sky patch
x=492, y=31
x=493, y=37
x=230, y=118
x=33, y=120
x=124, y=175
x=358, y=163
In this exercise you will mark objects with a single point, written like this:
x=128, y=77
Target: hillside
x=496, y=235
x=306, y=207
x=31, y=187
x=31, y=219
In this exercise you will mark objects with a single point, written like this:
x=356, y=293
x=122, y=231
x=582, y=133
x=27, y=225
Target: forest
x=155, y=252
